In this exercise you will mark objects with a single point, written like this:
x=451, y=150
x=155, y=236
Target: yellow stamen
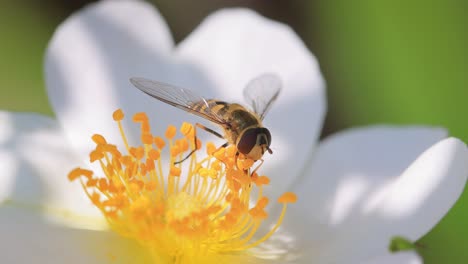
x=207, y=216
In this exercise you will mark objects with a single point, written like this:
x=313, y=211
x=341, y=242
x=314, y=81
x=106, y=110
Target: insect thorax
x=241, y=118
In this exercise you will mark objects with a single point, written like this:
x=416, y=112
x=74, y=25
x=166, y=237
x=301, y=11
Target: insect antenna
x=269, y=150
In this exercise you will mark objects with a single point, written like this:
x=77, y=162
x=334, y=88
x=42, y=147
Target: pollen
x=202, y=210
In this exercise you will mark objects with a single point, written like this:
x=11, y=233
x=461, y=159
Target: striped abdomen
x=237, y=116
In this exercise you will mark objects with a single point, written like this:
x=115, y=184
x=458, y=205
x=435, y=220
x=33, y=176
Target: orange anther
x=154, y=154
x=140, y=117
x=220, y=154
x=143, y=169
x=98, y=139
x=241, y=177
x=262, y=180
x=183, y=144
x=145, y=127
x=171, y=132
x=102, y=184
x=262, y=202
x=78, y=172
x=110, y=169
x=96, y=199
x=214, y=209
x=213, y=174
x=136, y=186
x=126, y=161
x=137, y=153
x=254, y=177
x=116, y=163
x=235, y=186
x=150, y=186
x=230, y=196
x=175, y=171
x=258, y=214
x=216, y=165
x=229, y=162
x=91, y=182
x=210, y=148
x=111, y=214
x=245, y=164
x=112, y=187
x=110, y=148
x=150, y=164
x=235, y=203
x=87, y=173
x=147, y=138
x=204, y=172
x=287, y=197
x=186, y=128
x=95, y=155
x=118, y=115
x=175, y=150
x=231, y=151
x=262, y=214
x=160, y=143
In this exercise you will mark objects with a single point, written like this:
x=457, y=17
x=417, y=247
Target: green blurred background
x=400, y=62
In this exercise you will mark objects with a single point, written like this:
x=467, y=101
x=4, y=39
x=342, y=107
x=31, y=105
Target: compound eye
x=247, y=141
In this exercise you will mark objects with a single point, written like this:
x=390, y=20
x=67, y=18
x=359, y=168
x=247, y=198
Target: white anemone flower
x=356, y=189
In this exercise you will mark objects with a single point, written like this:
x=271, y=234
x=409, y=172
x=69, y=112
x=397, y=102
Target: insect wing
x=261, y=92
x=178, y=97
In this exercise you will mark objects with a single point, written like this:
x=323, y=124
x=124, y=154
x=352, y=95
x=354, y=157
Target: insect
x=242, y=127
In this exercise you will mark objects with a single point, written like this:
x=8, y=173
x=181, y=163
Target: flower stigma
x=197, y=211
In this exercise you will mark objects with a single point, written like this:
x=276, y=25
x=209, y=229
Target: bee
x=242, y=127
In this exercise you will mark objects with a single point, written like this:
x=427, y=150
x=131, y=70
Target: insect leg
x=235, y=162
x=222, y=146
x=258, y=167
x=209, y=130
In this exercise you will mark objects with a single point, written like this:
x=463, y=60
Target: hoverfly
x=242, y=127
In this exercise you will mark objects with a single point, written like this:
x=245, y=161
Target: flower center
x=198, y=211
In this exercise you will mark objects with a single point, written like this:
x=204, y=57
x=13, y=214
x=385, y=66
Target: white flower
x=356, y=189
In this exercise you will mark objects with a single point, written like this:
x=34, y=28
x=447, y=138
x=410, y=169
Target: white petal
x=89, y=62
x=35, y=160
x=27, y=238
x=360, y=192
x=416, y=201
x=232, y=47
x=407, y=257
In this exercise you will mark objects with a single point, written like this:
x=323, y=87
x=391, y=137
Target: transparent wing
x=261, y=92
x=178, y=97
